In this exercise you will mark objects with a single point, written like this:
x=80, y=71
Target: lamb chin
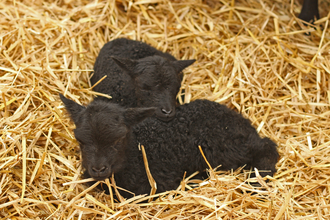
x=165, y=118
x=99, y=178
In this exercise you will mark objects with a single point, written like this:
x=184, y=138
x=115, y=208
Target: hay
x=252, y=56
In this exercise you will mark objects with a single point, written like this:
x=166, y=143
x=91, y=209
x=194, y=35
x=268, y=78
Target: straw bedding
x=253, y=56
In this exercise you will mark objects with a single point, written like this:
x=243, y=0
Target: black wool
x=109, y=136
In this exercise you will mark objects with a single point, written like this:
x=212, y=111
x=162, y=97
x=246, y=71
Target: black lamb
x=109, y=135
x=139, y=75
x=310, y=11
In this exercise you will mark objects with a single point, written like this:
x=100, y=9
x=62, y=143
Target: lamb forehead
x=155, y=65
x=105, y=120
x=156, y=70
x=103, y=107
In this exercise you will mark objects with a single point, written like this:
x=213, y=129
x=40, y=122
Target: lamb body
x=109, y=136
x=139, y=75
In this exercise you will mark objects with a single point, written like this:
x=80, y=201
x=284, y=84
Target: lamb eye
x=150, y=86
x=81, y=143
x=118, y=142
x=146, y=87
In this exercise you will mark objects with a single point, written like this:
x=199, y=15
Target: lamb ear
x=135, y=115
x=124, y=63
x=73, y=108
x=181, y=64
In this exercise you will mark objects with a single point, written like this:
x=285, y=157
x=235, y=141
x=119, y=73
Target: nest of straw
x=253, y=56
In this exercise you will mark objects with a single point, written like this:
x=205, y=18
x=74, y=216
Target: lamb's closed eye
x=148, y=87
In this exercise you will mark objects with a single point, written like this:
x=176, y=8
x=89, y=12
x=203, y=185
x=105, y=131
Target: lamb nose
x=166, y=112
x=99, y=170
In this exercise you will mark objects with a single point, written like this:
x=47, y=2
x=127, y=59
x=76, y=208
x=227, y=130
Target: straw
x=253, y=56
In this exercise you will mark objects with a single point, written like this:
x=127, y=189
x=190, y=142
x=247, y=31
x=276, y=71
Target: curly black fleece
x=226, y=138
x=110, y=134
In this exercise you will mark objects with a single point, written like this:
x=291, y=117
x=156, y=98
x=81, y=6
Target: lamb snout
x=165, y=113
x=99, y=172
x=166, y=108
